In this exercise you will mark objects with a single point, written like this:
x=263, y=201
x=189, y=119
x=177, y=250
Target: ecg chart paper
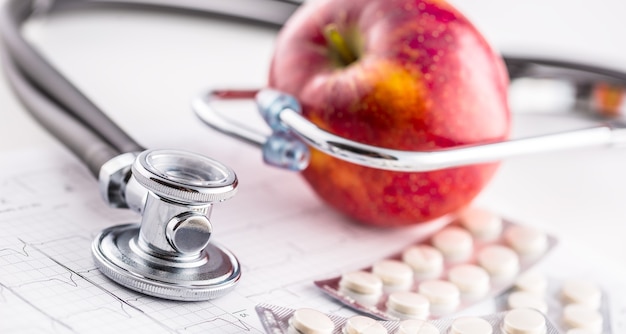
x=50, y=211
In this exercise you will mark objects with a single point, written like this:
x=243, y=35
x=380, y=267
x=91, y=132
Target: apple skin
x=424, y=79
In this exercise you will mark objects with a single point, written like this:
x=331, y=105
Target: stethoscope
x=168, y=254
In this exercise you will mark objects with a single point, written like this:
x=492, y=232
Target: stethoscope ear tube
x=282, y=114
x=578, y=73
x=57, y=87
x=87, y=146
x=169, y=255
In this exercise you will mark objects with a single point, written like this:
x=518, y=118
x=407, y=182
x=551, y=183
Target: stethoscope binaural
x=291, y=134
x=168, y=254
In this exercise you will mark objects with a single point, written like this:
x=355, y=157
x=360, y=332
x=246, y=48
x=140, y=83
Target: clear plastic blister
x=281, y=320
x=476, y=257
x=575, y=303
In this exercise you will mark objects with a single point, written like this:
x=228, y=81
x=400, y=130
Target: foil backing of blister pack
x=275, y=320
x=331, y=286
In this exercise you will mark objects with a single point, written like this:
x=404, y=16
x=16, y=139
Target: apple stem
x=339, y=44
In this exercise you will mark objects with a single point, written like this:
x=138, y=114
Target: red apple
x=400, y=74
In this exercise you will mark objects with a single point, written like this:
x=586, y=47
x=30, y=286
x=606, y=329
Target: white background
x=143, y=68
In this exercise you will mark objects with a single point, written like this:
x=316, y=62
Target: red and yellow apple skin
x=423, y=79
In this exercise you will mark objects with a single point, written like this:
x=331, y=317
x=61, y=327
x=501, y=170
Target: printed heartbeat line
x=297, y=254
x=119, y=300
x=52, y=250
x=124, y=313
x=43, y=312
x=282, y=288
x=266, y=222
x=87, y=271
x=52, y=241
x=23, y=251
x=18, y=208
x=277, y=262
x=239, y=324
x=70, y=283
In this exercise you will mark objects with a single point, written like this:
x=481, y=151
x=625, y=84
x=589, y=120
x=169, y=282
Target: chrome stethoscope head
x=168, y=255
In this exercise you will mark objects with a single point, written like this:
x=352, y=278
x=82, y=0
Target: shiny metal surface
x=184, y=176
x=189, y=232
x=410, y=161
x=157, y=214
x=113, y=177
x=168, y=255
x=613, y=134
x=212, y=273
x=204, y=108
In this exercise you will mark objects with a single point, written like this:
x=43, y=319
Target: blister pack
x=280, y=320
x=477, y=256
x=574, y=305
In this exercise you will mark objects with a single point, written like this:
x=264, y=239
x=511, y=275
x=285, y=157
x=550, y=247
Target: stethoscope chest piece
x=209, y=276
x=169, y=255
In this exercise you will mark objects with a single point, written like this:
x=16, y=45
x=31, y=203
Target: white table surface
x=143, y=67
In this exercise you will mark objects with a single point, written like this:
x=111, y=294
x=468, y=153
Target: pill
x=455, y=243
x=500, y=262
x=310, y=321
x=361, y=282
x=426, y=261
x=524, y=300
x=583, y=316
x=394, y=274
x=413, y=326
x=472, y=281
x=578, y=331
x=524, y=321
x=444, y=296
x=363, y=325
x=532, y=281
x=366, y=288
x=408, y=305
x=525, y=240
x=482, y=224
x=582, y=292
x=470, y=325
